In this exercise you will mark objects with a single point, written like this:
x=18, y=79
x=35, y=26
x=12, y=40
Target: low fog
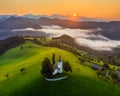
x=86, y=38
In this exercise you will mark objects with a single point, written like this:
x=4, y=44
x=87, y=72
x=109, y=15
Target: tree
x=53, y=59
x=101, y=73
x=10, y=43
x=114, y=77
x=30, y=46
x=7, y=75
x=21, y=47
x=106, y=66
x=67, y=67
x=22, y=70
x=98, y=72
x=47, y=68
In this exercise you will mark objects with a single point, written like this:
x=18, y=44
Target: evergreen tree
x=53, y=59
x=47, y=68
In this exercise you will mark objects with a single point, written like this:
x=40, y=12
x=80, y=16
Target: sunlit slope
x=83, y=81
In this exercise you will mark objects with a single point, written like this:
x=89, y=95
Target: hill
x=108, y=29
x=18, y=23
x=82, y=82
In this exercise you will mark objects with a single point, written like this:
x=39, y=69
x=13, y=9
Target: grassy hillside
x=83, y=82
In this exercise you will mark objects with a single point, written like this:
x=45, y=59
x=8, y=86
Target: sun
x=74, y=14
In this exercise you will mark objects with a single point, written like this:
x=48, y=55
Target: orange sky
x=106, y=9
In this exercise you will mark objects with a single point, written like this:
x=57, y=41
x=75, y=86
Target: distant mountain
x=18, y=23
x=109, y=29
x=4, y=17
x=90, y=19
x=58, y=16
x=76, y=24
x=30, y=16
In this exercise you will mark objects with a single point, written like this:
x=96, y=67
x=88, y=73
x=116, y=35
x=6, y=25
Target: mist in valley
x=87, y=38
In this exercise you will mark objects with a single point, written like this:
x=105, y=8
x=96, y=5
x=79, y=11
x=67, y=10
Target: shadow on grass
x=41, y=87
x=72, y=86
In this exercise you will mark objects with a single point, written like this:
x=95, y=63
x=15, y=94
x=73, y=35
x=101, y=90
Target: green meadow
x=83, y=81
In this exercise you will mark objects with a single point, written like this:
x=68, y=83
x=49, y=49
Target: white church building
x=58, y=68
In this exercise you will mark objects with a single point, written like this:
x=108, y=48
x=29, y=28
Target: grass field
x=83, y=82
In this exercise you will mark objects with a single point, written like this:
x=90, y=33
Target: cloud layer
x=82, y=37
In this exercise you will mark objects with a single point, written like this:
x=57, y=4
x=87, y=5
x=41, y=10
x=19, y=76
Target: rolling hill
x=18, y=23
x=82, y=82
x=108, y=29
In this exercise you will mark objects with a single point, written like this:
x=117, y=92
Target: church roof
x=59, y=60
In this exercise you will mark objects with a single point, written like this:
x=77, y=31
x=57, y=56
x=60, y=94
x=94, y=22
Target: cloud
x=98, y=44
x=82, y=37
x=27, y=29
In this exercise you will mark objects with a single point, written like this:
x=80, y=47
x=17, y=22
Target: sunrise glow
x=107, y=9
x=74, y=14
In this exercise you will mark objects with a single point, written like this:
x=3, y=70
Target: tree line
x=10, y=43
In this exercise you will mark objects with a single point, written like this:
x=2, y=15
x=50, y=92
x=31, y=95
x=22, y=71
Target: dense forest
x=10, y=43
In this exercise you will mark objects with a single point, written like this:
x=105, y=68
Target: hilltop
x=82, y=81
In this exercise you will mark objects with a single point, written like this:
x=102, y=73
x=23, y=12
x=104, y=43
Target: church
x=58, y=68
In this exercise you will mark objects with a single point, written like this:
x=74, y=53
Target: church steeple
x=59, y=59
x=58, y=66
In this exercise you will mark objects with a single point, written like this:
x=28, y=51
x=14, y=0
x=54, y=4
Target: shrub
x=7, y=75
x=22, y=70
x=67, y=67
x=114, y=77
x=106, y=66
